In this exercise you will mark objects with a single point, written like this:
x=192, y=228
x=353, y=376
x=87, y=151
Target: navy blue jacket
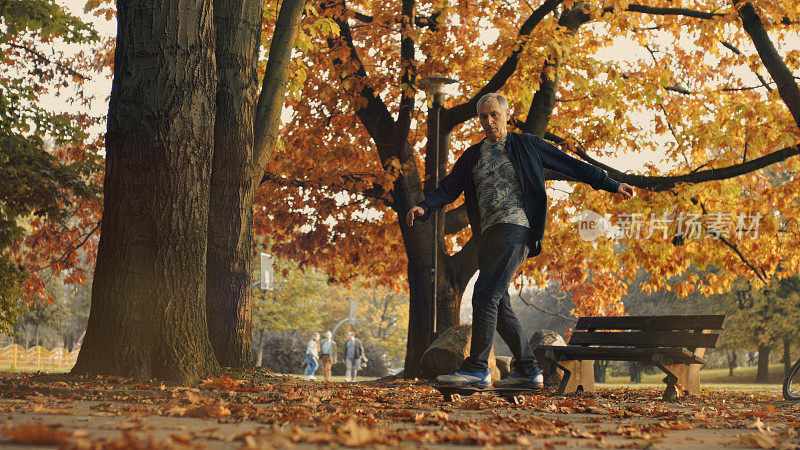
x=528, y=154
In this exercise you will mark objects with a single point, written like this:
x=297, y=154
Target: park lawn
x=21, y=368
x=741, y=376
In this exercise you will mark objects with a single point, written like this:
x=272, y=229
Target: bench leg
x=564, y=378
x=671, y=391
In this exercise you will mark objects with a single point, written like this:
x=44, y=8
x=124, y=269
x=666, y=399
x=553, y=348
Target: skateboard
x=512, y=395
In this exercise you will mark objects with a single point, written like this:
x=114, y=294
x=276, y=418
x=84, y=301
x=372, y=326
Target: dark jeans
x=501, y=250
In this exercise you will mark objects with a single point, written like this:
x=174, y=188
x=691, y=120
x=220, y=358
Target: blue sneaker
x=481, y=380
x=515, y=380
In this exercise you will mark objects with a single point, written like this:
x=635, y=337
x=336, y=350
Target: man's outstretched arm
x=555, y=159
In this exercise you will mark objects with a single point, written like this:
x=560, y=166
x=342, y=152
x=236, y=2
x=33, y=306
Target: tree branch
x=47, y=60
x=540, y=309
x=430, y=21
x=464, y=263
x=678, y=89
x=653, y=10
x=544, y=100
x=465, y=111
x=408, y=70
x=456, y=220
x=270, y=99
x=787, y=87
x=71, y=249
x=663, y=183
x=375, y=191
x=734, y=248
x=374, y=115
x=738, y=52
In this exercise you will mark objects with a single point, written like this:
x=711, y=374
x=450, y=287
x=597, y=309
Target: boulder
x=503, y=364
x=448, y=351
x=552, y=376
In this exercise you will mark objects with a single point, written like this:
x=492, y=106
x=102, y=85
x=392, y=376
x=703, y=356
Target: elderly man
x=504, y=192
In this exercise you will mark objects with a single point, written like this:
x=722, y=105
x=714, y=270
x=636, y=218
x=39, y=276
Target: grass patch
x=32, y=368
x=741, y=376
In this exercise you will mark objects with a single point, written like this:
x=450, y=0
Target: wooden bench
x=674, y=344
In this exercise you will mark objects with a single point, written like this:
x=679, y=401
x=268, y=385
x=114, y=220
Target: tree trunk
x=147, y=317
x=244, y=137
x=230, y=232
x=600, y=371
x=259, y=356
x=762, y=376
x=635, y=370
x=453, y=274
x=731, y=362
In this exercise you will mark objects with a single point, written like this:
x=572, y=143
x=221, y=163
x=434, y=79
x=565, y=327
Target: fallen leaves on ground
x=283, y=412
x=36, y=433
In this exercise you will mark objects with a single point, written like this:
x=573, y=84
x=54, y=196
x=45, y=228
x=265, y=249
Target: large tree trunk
x=762, y=376
x=244, y=139
x=147, y=317
x=230, y=230
x=454, y=271
x=452, y=274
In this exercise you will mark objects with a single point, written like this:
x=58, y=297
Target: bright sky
x=623, y=50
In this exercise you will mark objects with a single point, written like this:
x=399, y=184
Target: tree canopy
x=691, y=111
x=49, y=165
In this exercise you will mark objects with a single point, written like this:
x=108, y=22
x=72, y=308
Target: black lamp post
x=434, y=85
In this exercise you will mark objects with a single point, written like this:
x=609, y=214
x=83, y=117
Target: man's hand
x=413, y=213
x=626, y=190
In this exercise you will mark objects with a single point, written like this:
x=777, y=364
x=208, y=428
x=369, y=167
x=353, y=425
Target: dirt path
x=282, y=412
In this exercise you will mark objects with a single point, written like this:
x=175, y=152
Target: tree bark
x=787, y=86
x=230, y=235
x=147, y=317
x=244, y=138
x=635, y=370
x=762, y=375
x=600, y=371
x=259, y=353
x=731, y=362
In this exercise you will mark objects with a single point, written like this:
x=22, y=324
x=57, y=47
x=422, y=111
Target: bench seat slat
x=644, y=355
x=644, y=339
x=652, y=323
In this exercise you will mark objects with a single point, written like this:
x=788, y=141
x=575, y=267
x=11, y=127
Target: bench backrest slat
x=646, y=339
x=652, y=323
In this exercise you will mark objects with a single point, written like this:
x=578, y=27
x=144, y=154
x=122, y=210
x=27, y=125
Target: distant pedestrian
x=312, y=357
x=354, y=356
x=328, y=350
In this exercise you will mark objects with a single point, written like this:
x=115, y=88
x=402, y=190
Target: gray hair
x=492, y=95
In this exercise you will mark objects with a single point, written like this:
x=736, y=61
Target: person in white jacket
x=312, y=357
